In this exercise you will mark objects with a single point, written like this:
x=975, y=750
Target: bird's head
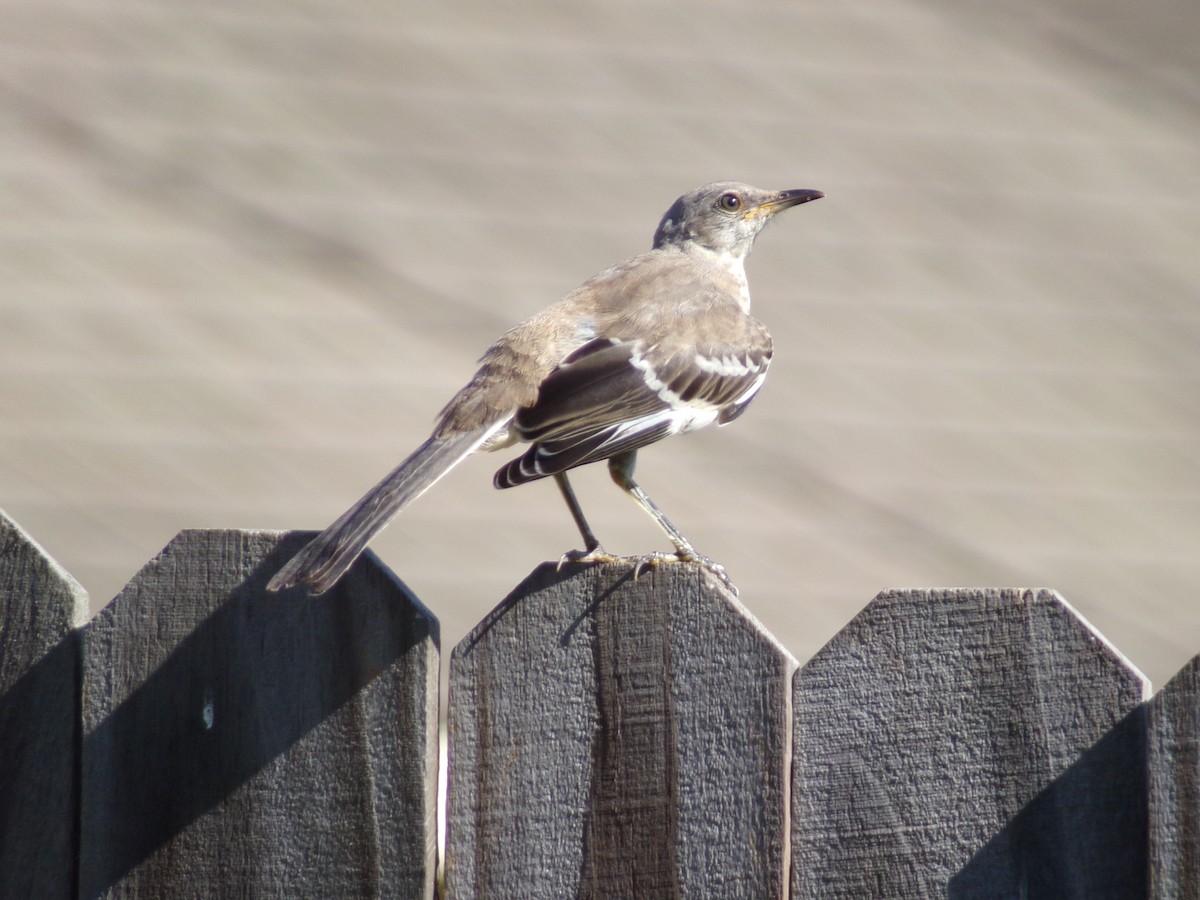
x=725, y=217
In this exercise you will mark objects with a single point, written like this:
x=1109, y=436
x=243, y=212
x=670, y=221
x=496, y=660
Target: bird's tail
x=324, y=559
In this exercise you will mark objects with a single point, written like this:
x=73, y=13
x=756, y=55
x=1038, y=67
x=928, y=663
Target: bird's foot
x=714, y=568
x=652, y=560
x=596, y=555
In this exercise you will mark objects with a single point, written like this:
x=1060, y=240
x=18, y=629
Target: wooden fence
x=607, y=738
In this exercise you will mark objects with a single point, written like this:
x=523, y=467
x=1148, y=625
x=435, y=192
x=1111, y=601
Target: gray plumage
x=660, y=344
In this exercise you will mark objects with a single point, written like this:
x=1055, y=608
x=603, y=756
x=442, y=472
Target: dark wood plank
x=612, y=738
x=240, y=743
x=970, y=743
x=40, y=607
x=1174, y=764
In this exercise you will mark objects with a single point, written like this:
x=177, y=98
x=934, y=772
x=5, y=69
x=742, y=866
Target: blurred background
x=248, y=250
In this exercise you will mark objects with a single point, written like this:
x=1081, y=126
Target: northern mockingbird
x=660, y=344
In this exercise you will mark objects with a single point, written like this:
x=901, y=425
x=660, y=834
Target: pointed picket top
x=28, y=571
x=1174, y=757
x=280, y=742
x=40, y=608
x=612, y=737
x=964, y=743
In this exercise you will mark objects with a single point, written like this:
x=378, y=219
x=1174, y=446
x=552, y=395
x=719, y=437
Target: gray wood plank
x=240, y=743
x=1174, y=768
x=40, y=607
x=612, y=738
x=969, y=743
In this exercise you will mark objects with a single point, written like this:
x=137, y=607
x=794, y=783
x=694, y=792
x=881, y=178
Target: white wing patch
x=678, y=420
x=752, y=390
x=729, y=366
x=660, y=388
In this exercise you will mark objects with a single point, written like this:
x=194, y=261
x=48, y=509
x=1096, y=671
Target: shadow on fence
x=235, y=679
x=1105, y=787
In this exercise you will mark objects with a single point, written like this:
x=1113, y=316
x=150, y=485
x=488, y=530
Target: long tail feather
x=324, y=560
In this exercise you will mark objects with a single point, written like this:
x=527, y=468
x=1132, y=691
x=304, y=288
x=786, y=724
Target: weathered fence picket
x=284, y=744
x=619, y=738
x=1174, y=768
x=609, y=737
x=969, y=744
x=40, y=607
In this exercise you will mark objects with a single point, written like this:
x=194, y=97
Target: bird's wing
x=612, y=396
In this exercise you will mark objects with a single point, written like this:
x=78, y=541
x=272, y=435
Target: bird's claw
x=651, y=560
x=715, y=569
x=596, y=555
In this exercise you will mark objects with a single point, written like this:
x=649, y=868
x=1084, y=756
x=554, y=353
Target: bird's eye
x=730, y=202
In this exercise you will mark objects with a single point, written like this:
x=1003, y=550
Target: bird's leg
x=620, y=467
x=592, y=551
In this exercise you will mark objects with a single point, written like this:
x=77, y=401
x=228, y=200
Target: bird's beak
x=784, y=200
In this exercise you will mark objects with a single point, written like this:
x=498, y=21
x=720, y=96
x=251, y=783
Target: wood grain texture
x=244, y=743
x=967, y=744
x=40, y=606
x=1174, y=757
x=613, y=738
